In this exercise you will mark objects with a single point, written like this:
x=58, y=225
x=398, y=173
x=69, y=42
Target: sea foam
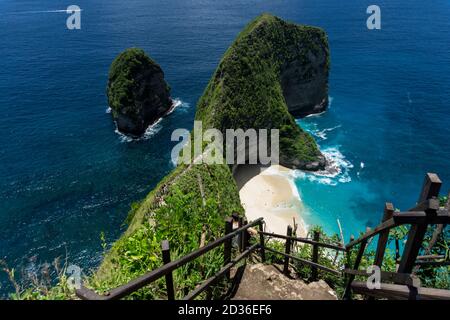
x=155, y=127
x=336, y=171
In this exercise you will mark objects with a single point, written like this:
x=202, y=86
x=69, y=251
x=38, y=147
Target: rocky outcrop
x=137, y=92
x=266, y=282
x=305, y=82
x=273, y=71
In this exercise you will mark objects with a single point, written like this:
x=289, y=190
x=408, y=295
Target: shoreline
x=270, y=193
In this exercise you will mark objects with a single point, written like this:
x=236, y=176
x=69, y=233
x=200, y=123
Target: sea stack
x=137, y=92
x=274, y=71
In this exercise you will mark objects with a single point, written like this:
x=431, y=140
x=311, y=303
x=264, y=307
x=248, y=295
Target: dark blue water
x=66, y=176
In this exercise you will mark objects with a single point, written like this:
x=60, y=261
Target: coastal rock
x=137, y=92
x=305, y=81
x=315, y=165
x=273, y=71
x=266, y=282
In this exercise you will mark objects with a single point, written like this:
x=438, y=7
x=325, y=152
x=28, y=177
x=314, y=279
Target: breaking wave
x=337, y=169
x=154, y=127
x=149, y=132
x=46, y=11
x=330, y=101
x=322, y=134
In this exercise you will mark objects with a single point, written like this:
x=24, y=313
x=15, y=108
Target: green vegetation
x=175, y=210
x=245, y=90
x=38, y=285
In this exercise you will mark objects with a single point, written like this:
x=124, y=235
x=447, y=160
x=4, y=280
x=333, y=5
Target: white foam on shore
x=149, y=132
x=322, y=134
x=288, y=174
x=330, y=100
x=337, y=169
x=176, y=103
x=154, y=127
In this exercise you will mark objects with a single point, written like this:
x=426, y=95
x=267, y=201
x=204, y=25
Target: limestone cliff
x=272, y=71
x=137, y=92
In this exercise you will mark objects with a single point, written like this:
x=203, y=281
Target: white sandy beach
x=272, y=195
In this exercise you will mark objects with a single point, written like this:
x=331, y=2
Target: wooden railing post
x=438, y=230
x=241, y=235
x=362, y=248
x=169, y=279
x=416, y=234
x=384, y=236
x=245, y=236
x=347, y=261
x=261, y=242
x=397, y=252
x=287, y=250
x=315, y=255
x=348, y=253
x=228, y=244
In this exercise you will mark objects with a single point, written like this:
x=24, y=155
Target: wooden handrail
x=425, y=213
x=387, y=225
x=307, y=262
x=433, y=263
x=401, y=218
x=303, y=240
x=222, y=272
x=400, y=292
x=140, y=282
x=399, y=278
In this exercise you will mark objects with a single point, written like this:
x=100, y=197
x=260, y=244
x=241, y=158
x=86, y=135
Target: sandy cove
x=270, y=193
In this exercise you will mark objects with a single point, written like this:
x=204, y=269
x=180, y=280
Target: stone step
x=266, y=282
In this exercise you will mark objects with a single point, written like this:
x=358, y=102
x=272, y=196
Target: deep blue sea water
x=66, y=176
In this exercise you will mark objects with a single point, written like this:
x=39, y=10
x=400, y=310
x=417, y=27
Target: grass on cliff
x=245, y=90
x=190, y=202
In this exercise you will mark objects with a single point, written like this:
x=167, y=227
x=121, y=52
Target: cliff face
x=305, y=84
x=273, y=69
x=137, y=92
